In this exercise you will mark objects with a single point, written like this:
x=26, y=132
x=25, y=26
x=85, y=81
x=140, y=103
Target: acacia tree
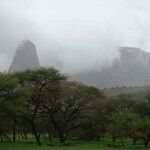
x=66, y=104
x=121, y=126
x=33, y=85
x=141, y=130
x=141, y=127
x=8, y=93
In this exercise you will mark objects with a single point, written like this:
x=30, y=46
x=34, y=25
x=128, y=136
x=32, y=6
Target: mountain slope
x=132, y=68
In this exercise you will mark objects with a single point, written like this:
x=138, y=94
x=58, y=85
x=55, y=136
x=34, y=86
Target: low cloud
x=73, y=35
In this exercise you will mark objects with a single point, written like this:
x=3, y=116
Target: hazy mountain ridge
x=132, y=68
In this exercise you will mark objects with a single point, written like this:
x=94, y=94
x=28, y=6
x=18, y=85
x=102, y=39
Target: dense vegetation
x=43, y=103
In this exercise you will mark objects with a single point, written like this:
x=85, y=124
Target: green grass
x=71, y=146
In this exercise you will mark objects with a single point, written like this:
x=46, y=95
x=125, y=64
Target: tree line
x=45, y=103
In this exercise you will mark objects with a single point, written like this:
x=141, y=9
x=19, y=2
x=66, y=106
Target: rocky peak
x=131, y=55
x=25, y=58
x=26, y=44
x=132, y=68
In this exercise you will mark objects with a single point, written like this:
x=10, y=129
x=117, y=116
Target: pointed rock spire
x=25, y=58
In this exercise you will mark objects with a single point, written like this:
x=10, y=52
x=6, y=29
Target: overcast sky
x=74, y=35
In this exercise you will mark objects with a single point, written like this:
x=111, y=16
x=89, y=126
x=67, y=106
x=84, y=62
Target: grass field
x=73, y=146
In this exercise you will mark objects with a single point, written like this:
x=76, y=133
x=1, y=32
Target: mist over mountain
x=132, y=68
x=25, y=58
x=73, y=36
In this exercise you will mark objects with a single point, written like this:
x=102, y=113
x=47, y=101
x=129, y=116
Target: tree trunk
x=62, y=138
x=1, y=137
x=14, y=130
x=49, y=136
x=114, y=139
x=22, y=135
x=146, y=141
x=47, y=130
x=25, y=135
x=34, y=130
x=134, y=141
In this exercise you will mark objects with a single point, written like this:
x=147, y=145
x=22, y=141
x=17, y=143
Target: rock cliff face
x=25, y=58
x=132, y=68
